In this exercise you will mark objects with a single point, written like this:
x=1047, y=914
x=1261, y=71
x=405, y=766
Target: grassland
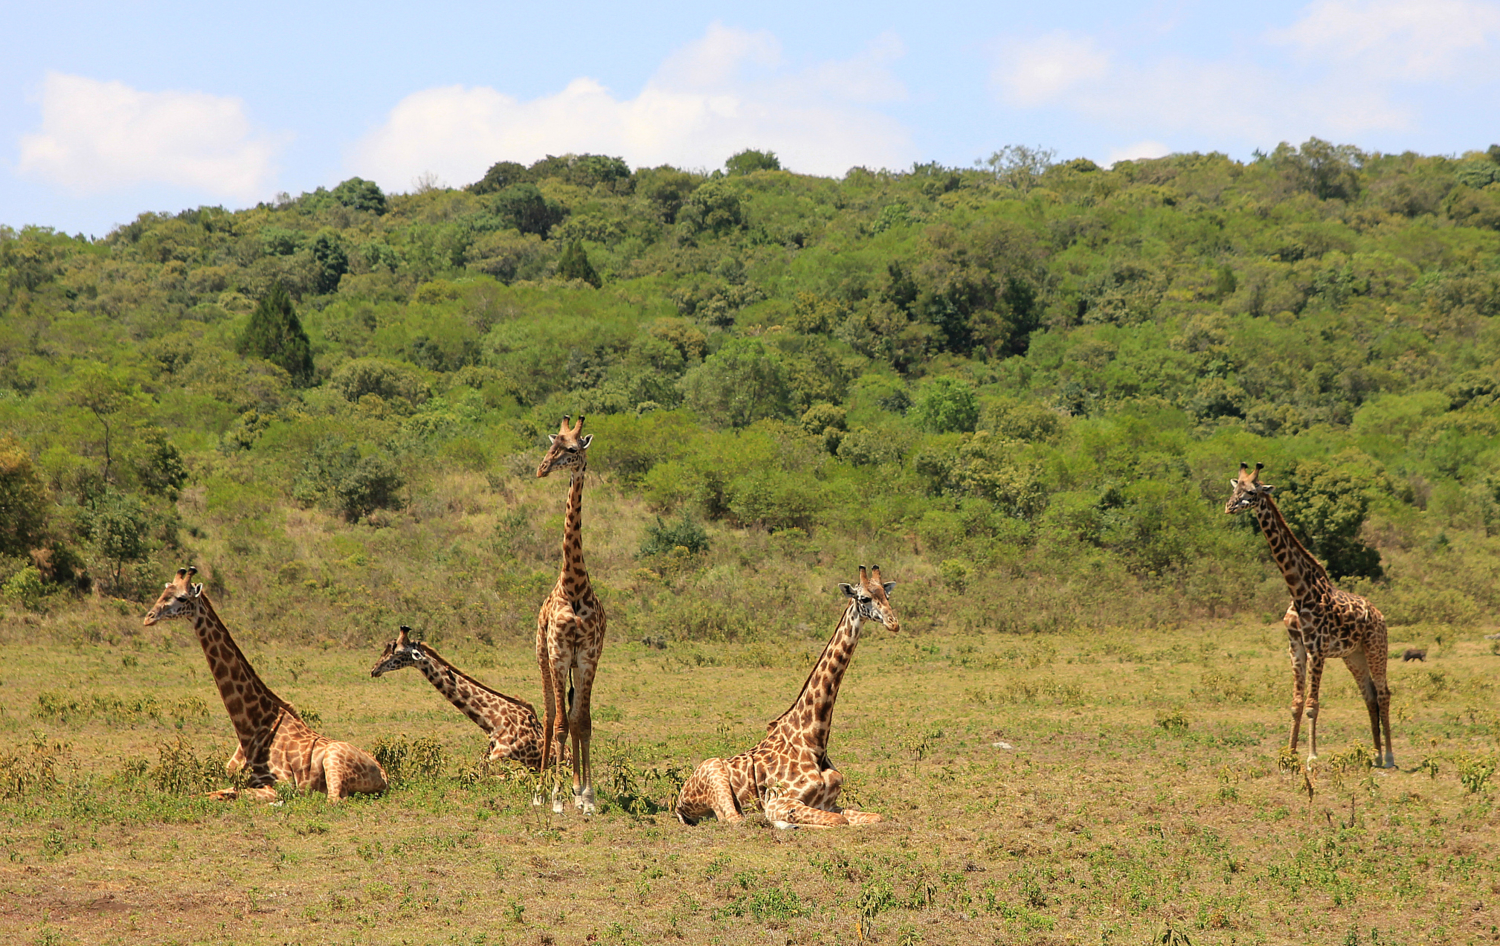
x=1140, y=788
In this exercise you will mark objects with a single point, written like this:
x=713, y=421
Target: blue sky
x=111, y=109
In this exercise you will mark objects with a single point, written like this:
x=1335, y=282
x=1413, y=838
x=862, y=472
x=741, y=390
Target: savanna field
x=1021, y=389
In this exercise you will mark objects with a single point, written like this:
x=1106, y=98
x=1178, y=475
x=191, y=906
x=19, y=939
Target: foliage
x=749, y=161
x=275, y=333
x=685, y=533
x=574, y=264
x=23, y=498
x=1033, y=372
x=742, y=382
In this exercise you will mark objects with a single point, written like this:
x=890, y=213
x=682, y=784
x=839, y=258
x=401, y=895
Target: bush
x=947, y=405
x=684, y=533
x=337, y=477
x=27, y=589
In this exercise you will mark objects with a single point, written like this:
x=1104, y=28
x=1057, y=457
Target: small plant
x=1175, y=722
x=180, y=771
x=405, y=760
x=32, y=768
x=1430, y=766
x=1474, y=773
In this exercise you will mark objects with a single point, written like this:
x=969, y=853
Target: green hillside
x=1022, y=389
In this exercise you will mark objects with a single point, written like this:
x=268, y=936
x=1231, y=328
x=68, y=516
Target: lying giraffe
x=275, y=744
x=788, y=774
x=515, y=732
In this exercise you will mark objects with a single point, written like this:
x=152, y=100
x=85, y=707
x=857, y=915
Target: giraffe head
x=1248, y=490
x=179, y=598
x=872, y=598
x=569, y=449
x=401, y=652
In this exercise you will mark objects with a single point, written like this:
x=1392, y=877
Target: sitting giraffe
x=788, y=774
x=515, y=732
x=1321, y=622
x=274, y=741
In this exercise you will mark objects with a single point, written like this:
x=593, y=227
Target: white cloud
x=725, y=92
x=102, y=136
x=1136, y=151
x=1040, y=70
x=1251, y=98
x=1409, y=39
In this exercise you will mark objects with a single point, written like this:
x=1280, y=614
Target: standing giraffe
x=1321, y=622
x=569, y=631
x=274, y=741
x=788, y=774
x=512, y=724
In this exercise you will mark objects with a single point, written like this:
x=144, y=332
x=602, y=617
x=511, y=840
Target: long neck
x=475, y=700
x=1304, y=575
x=251, y=705
x=810, y=717
x=575, y=575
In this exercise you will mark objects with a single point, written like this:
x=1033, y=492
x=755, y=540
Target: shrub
x=947, y=405
x=684, y=533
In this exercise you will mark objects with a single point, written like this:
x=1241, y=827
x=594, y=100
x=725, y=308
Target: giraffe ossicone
x=570, y=628
x=1321, y=622
x=788, y=774
x=275, y=744
x=514, y=731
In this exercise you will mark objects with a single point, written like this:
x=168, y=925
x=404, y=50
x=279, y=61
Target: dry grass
x=1142, y=792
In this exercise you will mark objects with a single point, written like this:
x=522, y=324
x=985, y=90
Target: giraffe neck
x=473, y=699
x=810, y=717
x=252, y=706
x=1305, y=577
x=575, y=575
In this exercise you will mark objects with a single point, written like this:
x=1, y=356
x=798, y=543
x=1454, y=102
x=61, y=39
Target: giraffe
x=512, y=725
x=569, y=631
x=274, y=740
x=1321, y=622
x=788, y=774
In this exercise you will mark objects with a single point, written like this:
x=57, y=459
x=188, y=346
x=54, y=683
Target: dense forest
x=1022, y=388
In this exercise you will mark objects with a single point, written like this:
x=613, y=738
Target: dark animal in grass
x=1414, y=653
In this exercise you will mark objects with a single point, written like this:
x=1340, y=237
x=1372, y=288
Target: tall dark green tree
x=276, y=334
x=574, y=264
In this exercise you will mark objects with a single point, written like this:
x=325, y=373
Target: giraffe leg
x=581, y=725
x=557, y=732
x=1298, y=652
x=785, y=810
x=549, y=712
x=834, y=782
x=708, y=791
x=236, y=761
x=1314, y=684
x=1359, y=667
x=1376, y=656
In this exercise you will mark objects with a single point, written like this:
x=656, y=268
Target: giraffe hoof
x=557, y=806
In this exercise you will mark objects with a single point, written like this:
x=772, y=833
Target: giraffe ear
x=197, y=589
x=889, y=587
x=587, y=439
x=1266, y=489
x=552, y=438
x=847, y=589
x=1234, y=484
